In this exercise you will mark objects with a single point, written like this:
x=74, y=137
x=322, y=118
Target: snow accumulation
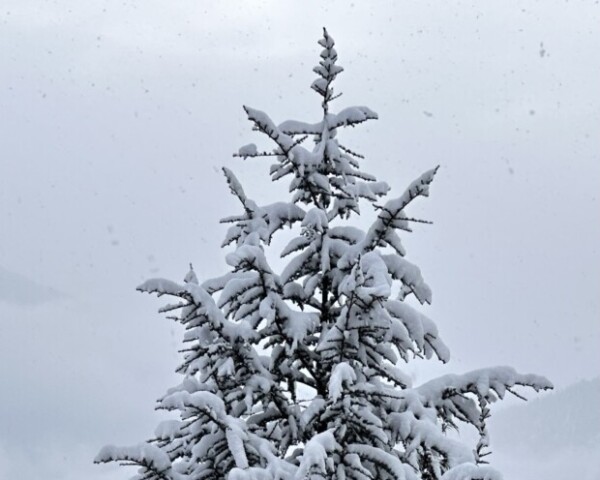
x=144, y=453
x=248, y=150
x=342, y=375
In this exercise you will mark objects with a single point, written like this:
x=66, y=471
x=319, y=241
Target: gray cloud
x=117, y=117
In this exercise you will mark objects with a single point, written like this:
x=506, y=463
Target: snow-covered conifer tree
x=298, y=374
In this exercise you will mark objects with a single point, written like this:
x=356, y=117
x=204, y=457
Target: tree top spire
x=327, y=71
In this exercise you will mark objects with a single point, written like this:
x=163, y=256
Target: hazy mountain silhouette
x=556, y=437
x=19, y=290
x=566, y=418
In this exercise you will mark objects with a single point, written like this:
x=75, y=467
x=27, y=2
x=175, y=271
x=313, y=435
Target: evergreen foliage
x=295, y=374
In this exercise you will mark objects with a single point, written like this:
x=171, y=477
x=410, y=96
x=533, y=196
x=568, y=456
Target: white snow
x=248, y=150
x=342, y=376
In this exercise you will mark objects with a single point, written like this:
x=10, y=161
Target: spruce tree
x=297, y=374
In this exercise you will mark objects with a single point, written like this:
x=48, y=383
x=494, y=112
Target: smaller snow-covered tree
x=297, y=374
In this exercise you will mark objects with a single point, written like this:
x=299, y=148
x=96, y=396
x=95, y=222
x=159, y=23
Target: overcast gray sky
x=117, y=116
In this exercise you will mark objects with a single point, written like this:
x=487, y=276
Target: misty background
x=117, y=116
